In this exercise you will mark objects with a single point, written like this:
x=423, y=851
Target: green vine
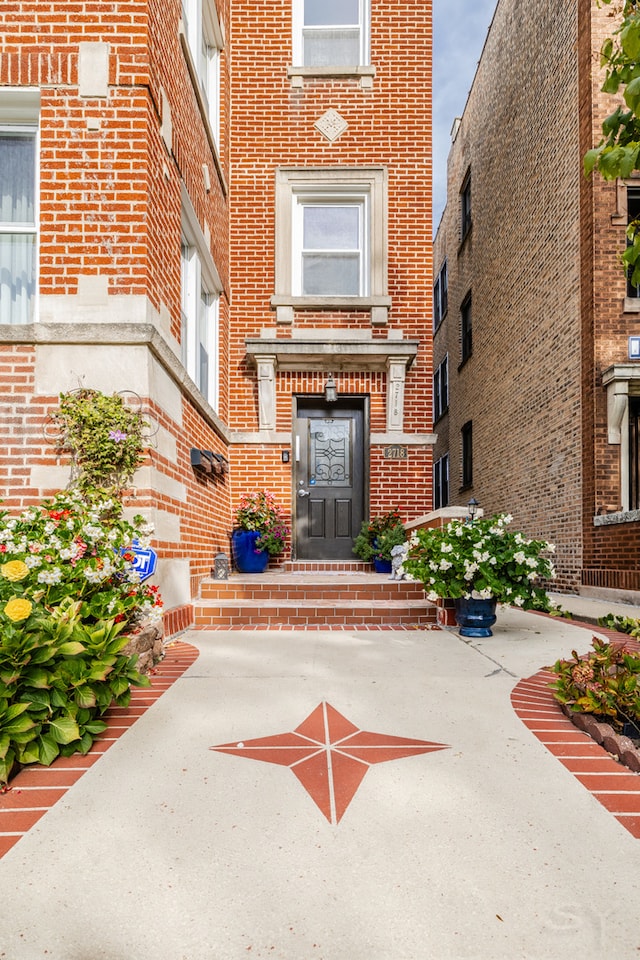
x=104, y=437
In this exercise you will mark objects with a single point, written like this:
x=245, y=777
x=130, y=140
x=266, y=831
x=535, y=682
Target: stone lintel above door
x=338, y=351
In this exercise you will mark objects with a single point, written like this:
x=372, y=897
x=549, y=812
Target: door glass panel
x=330, y=452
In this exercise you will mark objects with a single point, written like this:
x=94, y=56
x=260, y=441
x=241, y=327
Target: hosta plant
x=58, y=675
x=605, y=682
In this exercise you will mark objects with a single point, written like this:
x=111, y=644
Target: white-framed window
x=331, y=239
x=329, y=247
x=199, y=300
x=331, y=33
x=19, y=113
x=205, y=41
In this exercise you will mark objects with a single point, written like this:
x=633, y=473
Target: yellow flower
x=14, y=570
x=18, y=609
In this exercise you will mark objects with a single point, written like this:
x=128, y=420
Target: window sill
x=464, y=362
x=365, y=74
x=623, y=516
x=631, y=305
x=377, y=306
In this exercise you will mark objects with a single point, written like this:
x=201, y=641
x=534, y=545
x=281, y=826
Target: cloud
x=460, y=28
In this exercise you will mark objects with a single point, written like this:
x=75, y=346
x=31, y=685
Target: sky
x=459, y=28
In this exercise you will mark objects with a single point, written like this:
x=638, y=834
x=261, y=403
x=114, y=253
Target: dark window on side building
x=467, y=454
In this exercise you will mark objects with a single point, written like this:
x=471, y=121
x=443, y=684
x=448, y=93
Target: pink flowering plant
x=259, y=511
x=480, y=559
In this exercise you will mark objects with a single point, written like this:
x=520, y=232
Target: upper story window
x=465, y=206
x=441, y=389
x=19, y=112
x=329, y=246
x=633, y=213
x=199, y=296
x=466, y=331
x=331, y=240
x=440, y=296
x=205, y=41
x=467, y=454
x=331, y=33
x=634, y=453
x=441, y=482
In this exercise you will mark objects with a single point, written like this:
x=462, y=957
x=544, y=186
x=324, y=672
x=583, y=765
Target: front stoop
x=313, y=596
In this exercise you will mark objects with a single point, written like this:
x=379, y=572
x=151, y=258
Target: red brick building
x=220, y=205
x=535, y=362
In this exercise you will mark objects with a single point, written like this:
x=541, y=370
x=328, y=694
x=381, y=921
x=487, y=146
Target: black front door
x=329, y=477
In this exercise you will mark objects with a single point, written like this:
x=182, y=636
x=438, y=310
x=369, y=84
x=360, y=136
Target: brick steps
x=335, y=596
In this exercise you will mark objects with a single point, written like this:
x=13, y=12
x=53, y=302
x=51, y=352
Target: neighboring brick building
x=532, y=338
x=217, y=204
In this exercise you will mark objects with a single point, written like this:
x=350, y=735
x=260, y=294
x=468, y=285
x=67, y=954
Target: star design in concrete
x=329, y=755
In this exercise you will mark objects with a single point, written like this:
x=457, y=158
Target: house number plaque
x=395, y=452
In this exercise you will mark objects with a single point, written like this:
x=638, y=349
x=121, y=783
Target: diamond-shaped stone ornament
x=331, y=125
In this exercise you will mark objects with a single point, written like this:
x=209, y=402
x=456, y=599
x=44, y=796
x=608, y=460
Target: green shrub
x=58, y=675
x=605, y=682
x=378, y=536
x=481, y=559
x=621, y=624
x=104, y=437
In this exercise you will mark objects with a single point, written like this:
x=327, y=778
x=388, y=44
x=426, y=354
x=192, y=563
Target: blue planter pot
x=382, y=566
x=245, y=556
x=475, y=617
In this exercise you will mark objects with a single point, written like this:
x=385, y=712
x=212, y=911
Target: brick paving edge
x=36, y=788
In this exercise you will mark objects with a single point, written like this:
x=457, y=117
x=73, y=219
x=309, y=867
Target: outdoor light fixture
x=330, y=390
x=220, y=567
x=472, y=507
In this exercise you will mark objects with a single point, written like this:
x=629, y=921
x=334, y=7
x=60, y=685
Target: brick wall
x=521, y=388
x=389, y=124
x=110, y=205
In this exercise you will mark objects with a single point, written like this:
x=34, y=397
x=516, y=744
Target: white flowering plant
x=77, y=548
x=481, y=559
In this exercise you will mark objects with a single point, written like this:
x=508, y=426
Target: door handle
x=304, y=493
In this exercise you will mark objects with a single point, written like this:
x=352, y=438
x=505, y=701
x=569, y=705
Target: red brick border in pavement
x=36, y=788
x=611, y=783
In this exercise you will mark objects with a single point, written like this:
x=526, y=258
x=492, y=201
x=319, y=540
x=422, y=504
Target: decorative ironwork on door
x=330, y=458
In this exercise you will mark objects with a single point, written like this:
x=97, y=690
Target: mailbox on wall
x=208, y=462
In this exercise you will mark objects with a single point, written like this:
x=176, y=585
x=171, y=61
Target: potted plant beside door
x=260, y=531
x=479, y=563
x=378, y=537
